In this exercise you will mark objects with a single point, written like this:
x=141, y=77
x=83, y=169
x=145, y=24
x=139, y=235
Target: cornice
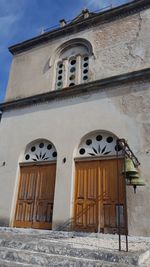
x=76, y=26
x=77, y=90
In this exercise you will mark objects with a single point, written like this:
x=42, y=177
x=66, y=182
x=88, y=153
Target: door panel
x=96, y=196
x=24, y=213
x=91, y=215
x=26, y=196
x=44, y=197
x=35, y=197
x=86, y=197
x=80, y=215
x=108, y=176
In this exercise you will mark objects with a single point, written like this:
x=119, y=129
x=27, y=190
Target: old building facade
x=71, y=93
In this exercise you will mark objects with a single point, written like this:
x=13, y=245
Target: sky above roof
x=23, y=19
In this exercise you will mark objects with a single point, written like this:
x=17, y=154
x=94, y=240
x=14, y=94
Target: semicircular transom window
x=40, y=151
x=99, y=144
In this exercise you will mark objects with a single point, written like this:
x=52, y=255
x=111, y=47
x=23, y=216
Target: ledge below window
x=141, y=75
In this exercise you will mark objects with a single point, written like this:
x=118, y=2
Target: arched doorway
x=34, y=208
x=96, y=185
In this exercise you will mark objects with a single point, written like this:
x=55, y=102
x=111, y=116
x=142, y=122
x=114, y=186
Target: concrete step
x=5, y=263
x=146, y=262
x=13, y=257
x=28, y=247
x=8, y=231
x=58, y=247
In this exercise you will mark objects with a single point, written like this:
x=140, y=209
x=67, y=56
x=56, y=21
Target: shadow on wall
x=4, y=221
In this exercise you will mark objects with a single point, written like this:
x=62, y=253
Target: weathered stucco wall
x=119, y=46
x=123, y=111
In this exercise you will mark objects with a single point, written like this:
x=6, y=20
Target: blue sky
x=23, y=19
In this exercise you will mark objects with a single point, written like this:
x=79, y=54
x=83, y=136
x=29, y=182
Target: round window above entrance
x=98, y=144
x=40, y=150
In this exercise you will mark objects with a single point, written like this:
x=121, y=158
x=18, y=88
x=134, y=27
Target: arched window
x=98, y=144
x=40, y=150
x=73, y=63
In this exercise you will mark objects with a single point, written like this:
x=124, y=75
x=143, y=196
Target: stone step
x=5, y=263
x=13, y=257
x=40, y=233
x=47, y=234
x=28, y=247
x=74, y=250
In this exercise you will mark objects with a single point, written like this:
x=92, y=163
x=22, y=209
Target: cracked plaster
x=119, y=46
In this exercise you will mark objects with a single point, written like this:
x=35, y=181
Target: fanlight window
x=73, y=66
x=99, y=144
x=42, y=150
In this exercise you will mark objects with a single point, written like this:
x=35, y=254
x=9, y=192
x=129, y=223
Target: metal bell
x=129, y=168
x=135, y=182
x=133, y=175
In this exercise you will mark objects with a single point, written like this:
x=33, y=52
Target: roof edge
x=103, y=17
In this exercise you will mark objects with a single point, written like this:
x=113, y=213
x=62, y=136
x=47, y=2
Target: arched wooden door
x=34, y=207
x=96, y=196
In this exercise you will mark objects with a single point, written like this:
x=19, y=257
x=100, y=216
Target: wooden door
x=34, y=207
x=109, y=189
x=96, y=196
x=86, y=218
x=43, y=205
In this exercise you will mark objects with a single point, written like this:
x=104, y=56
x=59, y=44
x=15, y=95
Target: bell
x=135, y=182
x=131, y=176
x=129, y=168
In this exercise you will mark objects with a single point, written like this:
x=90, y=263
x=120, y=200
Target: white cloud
x=10, y=14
